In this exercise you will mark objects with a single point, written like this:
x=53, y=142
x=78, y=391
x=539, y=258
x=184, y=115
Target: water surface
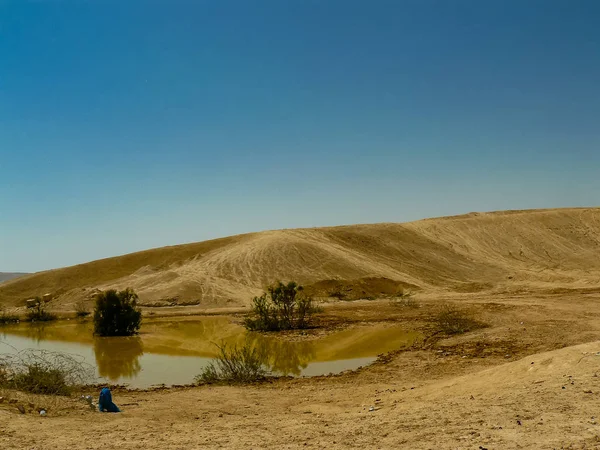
x=174, y=350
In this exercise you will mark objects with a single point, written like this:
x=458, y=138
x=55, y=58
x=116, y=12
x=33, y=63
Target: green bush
x=243, y=364
x=39, y=313
x=282, y=307
x=452, y=320
x=117, y=313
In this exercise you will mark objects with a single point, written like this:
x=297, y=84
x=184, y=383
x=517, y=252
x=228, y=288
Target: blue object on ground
x=105, y=403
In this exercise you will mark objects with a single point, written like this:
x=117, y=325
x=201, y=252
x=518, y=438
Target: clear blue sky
x=126, y=125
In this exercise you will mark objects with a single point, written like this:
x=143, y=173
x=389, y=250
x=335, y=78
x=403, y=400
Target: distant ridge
x=496, y=252
x=5, y=276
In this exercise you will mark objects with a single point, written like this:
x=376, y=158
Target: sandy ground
x=530, y=380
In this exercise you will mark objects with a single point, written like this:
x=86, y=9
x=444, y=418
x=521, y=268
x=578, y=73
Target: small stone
x=371, y=409
x=43, y=413
x=21, y=409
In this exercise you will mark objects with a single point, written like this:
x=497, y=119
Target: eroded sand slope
x=501, y=252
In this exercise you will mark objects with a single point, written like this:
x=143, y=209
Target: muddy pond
x=173, y=351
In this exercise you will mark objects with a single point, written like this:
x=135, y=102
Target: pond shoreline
x=172, y=349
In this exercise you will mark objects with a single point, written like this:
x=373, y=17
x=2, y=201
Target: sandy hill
x=501, y=251
x=5, y=276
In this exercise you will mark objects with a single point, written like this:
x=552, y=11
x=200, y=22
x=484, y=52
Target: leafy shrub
x=282, y=307
x=117, y=313
x=452, y=320
x=81, y=309
x=43, y=372
x=243, y=364
x=39, y=313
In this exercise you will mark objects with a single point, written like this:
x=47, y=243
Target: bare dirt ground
x=529, y=380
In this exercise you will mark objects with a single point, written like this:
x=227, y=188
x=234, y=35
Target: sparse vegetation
x=117, y=313
x=452, y=320
x=405, y=298
x=42, y=372
x=39, y=313
x=337, y=293
x=81, y=309
x=41, y=380
x=243, y=364
x=406, y=302
x=282, y=307
x=7, y=318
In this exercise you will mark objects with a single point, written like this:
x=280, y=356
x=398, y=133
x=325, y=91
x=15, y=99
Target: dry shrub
x=408, y=302
x=39, y=313
x=337, y=293
x=81, y=309
x=7, y=318
x=405, y=298
x=243, y=364
x=43, y=372
x=452, y=320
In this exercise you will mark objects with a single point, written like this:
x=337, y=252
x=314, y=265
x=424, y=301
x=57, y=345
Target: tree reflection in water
x=37, y=331
x=118, y=357
x=283, y=357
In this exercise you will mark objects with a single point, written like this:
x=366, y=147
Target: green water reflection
x=173, y=350
x=283, y=357
x=118, y=357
